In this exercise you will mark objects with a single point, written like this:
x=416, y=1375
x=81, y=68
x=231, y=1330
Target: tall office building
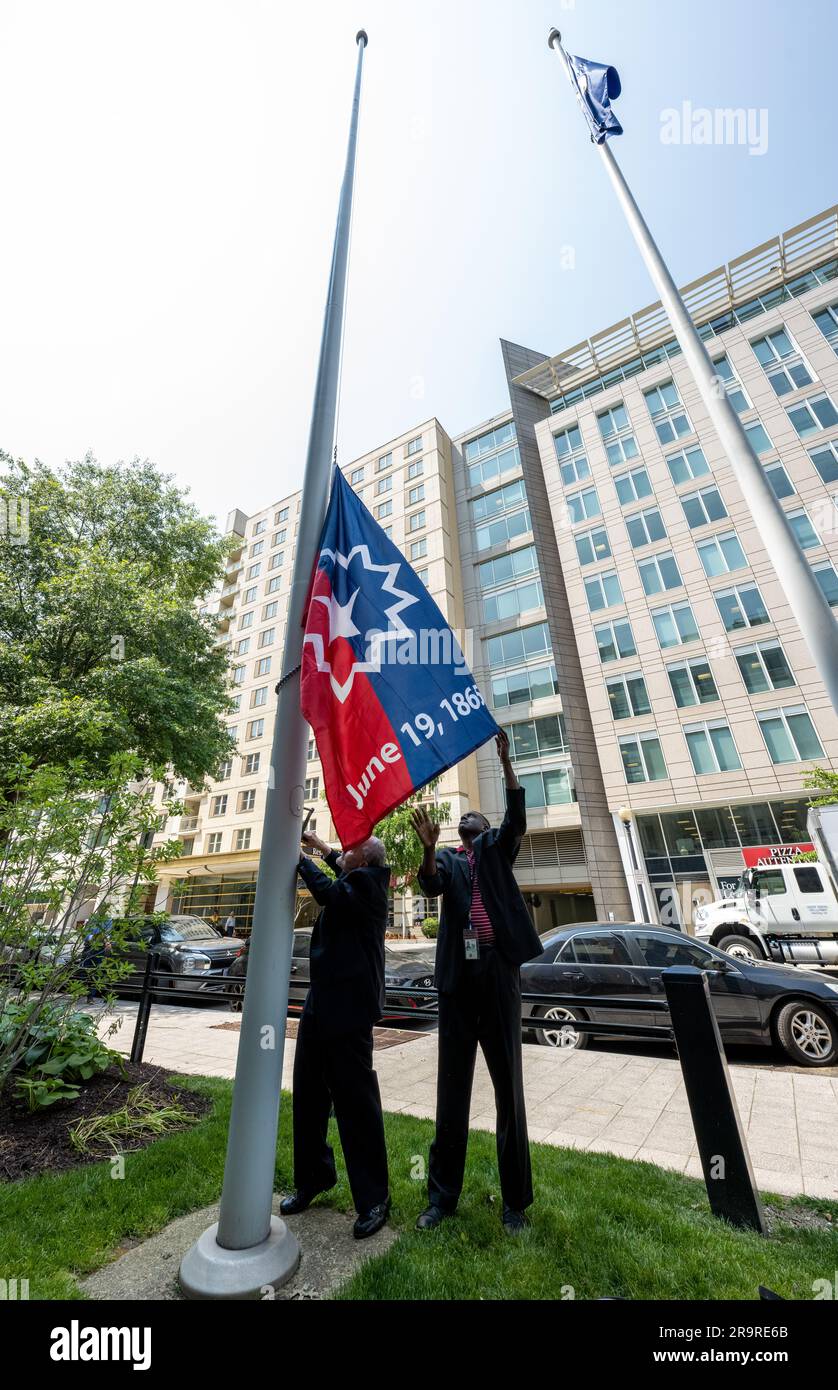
x=625, y=620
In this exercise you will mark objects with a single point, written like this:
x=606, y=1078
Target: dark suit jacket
x=347, y=946
x=495, y=851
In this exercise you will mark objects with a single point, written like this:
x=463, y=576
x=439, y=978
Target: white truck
x=784, y=909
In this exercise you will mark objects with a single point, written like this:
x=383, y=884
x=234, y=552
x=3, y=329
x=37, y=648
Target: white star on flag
x=340, y=616
x=396, y=625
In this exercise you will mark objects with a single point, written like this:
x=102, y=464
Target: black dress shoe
x=431, y=1217
x=371, y=1221
x=514, y=1221
x=300, y=1200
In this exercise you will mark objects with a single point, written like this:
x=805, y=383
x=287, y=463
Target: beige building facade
x=619, y=610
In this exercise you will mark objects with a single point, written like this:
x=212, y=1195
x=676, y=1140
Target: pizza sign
x=766, y=856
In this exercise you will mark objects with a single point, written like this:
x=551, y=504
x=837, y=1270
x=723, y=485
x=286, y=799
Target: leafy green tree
x=404, y=851
x=102, y=648
x=65, y=845
x=822, y=780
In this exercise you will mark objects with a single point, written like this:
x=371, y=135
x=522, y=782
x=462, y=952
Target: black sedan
x=404, y=971
x=754, y=1001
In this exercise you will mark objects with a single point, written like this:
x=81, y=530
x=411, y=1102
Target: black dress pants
x=338, y=1071
x=484, y=1008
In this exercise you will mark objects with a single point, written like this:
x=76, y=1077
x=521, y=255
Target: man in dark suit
x=485, y=934
x=333, y=1058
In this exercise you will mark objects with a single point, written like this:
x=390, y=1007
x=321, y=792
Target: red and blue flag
x=384, y=683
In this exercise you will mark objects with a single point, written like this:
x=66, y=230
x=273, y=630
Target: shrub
x=430, y=927
x=60, y=1051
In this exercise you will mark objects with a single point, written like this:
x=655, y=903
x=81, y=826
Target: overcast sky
x=170, y=169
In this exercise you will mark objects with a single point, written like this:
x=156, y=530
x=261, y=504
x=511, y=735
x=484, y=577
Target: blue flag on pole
x=597, y=86
x=384, y=685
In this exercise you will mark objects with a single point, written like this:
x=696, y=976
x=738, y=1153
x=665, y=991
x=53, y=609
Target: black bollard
x=718, y=1129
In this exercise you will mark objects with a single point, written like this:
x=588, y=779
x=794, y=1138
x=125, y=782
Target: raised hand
x=502, y=744
x=426, y=829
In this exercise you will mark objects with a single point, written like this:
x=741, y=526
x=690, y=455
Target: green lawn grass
x=599, y=1225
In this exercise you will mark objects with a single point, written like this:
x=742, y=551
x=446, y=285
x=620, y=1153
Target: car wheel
x=742, y=948
x=562, y=1035
x=807, y=1033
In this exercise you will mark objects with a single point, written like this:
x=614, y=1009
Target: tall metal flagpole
x=249, y=1249
x=813, y=613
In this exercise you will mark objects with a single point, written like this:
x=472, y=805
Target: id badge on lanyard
x=471, y=943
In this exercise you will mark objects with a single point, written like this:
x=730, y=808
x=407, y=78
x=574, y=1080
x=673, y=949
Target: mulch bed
x=40, y=1143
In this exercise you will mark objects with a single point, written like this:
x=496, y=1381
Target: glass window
x=552, y=788
x=414, y=446
x=692, y=684
x=808, y=879
x=384, y=509
x=590, y=949
x=791, y=820
x=764, y=667
x=645, y=527
x=755, y=823
x=828, y=580
x=419, y=548
x=687, y=465
x=633, y=486
x=711, y=748
x=789, y=735
x=417, y=521
x=643, y=759
x=616, y=431
x=668, y=415
x=675, y=625
x=722, y=554
x=825, y=459
x=717, y=828
x=782, y=362
x=614, y=641
x=660, y=952
x=520, y=687
x=627, y=696
x=534, y=738
x=384, y=462
x=813, y=414
x=827, y=321
x=384, y=485
x=659, y=573
x=742, y=607
x=732, y=385
x=356, y=477
x=603, y=591
x=759, y=438
x=592, y=546
x=779, y=480
x=807, y=536
x=514, y=648
x=700, y=508
x=582, y=506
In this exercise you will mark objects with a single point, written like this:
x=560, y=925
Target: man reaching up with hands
x=485, y=935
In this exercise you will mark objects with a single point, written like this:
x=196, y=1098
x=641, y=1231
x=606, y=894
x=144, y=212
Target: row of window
x=763, y=667
x=385, y=462
x=789, y=736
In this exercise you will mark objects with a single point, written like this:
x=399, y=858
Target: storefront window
x=755, y=824
x=717, y=829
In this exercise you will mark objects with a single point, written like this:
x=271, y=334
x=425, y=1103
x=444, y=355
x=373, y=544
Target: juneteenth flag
x=384, y=683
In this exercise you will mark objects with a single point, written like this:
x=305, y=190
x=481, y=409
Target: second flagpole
x=249, y=1249
x=807, y=600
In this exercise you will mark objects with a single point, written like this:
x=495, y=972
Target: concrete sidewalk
x=635, y=1107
